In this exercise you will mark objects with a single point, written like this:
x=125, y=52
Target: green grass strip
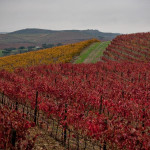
x=84, y=55
x=101, y=48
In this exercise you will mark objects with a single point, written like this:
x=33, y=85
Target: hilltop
x=37, y=37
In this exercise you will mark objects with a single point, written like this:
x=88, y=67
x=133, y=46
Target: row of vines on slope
x=54, y=55
x=60, y=54
x=107, y=103
x=131, y=47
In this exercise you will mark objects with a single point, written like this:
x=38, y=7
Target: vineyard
x=14, y=130
x=60, y=54
x=101, y=106
x=133, y=47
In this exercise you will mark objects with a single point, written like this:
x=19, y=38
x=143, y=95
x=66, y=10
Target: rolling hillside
x=105, y=105
x=37, y=37
x=131, y=47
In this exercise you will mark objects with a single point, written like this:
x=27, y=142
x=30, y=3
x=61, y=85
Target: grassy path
x=99, y=52
x=85, y=53
x=93, y=53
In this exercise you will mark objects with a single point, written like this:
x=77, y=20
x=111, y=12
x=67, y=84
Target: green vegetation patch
x=1, y=54
x=101, y=49
x=87, y=52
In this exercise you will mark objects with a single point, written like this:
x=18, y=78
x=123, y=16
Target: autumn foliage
x=14, y=130
x=60, y=54
x=107, y=103
x=130, y=47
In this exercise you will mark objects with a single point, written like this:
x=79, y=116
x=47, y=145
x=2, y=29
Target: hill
x=131, y=47
x=37, y=37
x=3, y=32
x=33, y=31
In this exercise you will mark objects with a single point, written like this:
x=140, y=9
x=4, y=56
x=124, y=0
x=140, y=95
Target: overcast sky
x=123, y=16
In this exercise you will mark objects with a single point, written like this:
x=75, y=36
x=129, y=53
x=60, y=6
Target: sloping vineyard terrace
x=131, y=47
x=107, y=103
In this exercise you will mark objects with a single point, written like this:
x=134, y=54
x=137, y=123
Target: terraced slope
x=131, y=47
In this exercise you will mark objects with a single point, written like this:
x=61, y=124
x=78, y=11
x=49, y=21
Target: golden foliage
x=60, y=54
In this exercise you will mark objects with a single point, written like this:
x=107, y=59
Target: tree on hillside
x=21, y=47
x=10, y=49
x=30, y=48
x=6, y=53
x=59, y=44
x=50, y=45
x=47, y=45
x=44, y=45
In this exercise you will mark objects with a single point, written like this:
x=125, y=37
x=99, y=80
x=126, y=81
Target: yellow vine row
x=60, y=54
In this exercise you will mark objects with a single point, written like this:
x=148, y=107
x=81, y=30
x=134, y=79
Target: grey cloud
x=125, y=16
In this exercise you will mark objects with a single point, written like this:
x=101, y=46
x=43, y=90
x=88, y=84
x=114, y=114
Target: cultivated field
x=85, y=105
